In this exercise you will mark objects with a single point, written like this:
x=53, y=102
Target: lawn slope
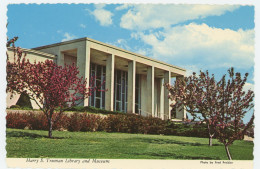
x=34, y=144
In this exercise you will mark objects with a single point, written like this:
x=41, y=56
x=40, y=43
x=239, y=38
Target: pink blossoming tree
x=233, y=104
x=50, y=86
x=221, y=105
x=197, y=94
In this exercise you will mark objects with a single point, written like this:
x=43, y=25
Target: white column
x=60, y=59
x=83, y=63
x=167, y=108
x=180, y=112
x=150, y=90
x=131, y=87
x=109, y=97
x=161, y=103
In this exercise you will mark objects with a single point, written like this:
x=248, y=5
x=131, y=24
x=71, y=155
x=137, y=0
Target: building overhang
x=35, y=52
x=126, y=55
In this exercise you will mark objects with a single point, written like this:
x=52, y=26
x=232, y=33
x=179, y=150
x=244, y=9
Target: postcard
x=129, y=85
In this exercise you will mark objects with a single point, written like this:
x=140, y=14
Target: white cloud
x=124, y=6
x=121, y=43
x=191, y=68
x=202, y=45
x=82, y=26
x=100, y=5
x=68, y=37
x=149, y=16
x=142, y=51
x=104, y=17
x=248, y=86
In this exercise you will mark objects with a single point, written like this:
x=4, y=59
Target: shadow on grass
x=175, y=156
x=27, y=135
x=183, y=143
x=164, y=141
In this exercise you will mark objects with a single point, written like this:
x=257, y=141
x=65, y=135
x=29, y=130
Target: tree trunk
x=228, y=153
x=210, y=135
x=210, y=139
x=50, y=128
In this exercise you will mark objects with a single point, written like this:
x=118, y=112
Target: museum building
x=127, y=82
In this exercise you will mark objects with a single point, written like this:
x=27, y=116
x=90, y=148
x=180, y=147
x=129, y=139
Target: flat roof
x=36, y=52
x=107, y=45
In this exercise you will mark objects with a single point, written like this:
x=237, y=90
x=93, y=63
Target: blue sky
x=196, y=37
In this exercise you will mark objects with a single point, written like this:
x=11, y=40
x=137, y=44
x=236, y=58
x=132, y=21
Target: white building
x=134, y=82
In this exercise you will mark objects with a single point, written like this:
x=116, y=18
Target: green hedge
x=91, y=110
x=125, y=123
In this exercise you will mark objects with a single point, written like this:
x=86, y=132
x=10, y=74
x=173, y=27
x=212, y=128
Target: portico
x=128, y=82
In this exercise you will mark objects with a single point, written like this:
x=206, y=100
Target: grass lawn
x=34, y=144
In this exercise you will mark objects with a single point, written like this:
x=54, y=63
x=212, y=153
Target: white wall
x=69, y=60
x=32, y=56
x=157, y=96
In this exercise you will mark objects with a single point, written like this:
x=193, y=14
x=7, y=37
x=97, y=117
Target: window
x=97, y=97
x=97, y=79
x=120, y=91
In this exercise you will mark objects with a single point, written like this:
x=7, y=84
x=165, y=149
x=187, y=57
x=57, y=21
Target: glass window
x=98, y=72
x=118, y=76
x=118, y=106
x=126, y=90
x=118, y=92
x=123, y=85
x=98, y=93
x=136, y=95
x=137, y=81
x=97, y=103
x=103, y=99
x=97, y=77
x=136, y=108
x=92, y=66
x=92, y=97
x=123, y=101
x=98, y=84
x=104, y=83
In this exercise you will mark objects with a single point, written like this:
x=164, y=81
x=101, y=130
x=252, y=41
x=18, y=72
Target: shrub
x=61, y=124
x=76, y=108
x=32, y=120
x=83, y=122
x=15, y=107
x=16, y=120
x=113, y=123
x=74, y=123
x=128, y=123
x=131, y=123
x=90, y=122
x=92, y=110
x=183, y=129
x=37, y=121
x=153, y=125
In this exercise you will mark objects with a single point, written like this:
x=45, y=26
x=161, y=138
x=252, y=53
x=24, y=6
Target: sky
x=195, y=37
